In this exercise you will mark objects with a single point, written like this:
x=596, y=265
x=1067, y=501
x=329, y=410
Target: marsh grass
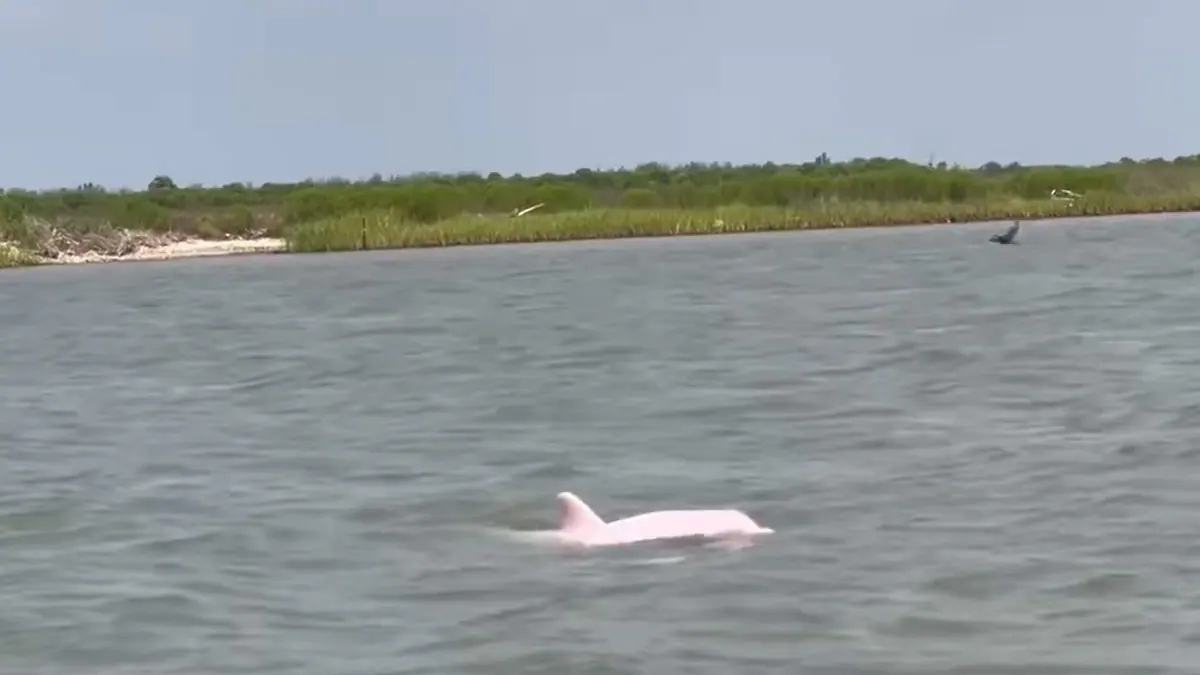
x=247, y=211
x=382, y=229
x=469, y=208
x=648, y=200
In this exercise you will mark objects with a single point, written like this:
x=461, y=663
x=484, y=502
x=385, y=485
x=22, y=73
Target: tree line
x=430, y=197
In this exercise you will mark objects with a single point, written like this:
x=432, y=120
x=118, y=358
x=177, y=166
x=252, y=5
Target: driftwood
x=49, y=242
x=35, y=241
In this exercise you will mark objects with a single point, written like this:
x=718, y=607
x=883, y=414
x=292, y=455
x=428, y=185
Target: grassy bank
x=381, y=229
x=242, y=209
x=649, y=199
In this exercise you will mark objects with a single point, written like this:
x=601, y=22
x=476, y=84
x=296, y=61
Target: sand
x=188, y=248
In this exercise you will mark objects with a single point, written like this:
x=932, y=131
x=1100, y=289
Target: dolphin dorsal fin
x=574, y=514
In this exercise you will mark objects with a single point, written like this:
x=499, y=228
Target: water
x=978, y=459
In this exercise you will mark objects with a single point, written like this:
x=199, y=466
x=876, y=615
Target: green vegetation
x=392, y=229
x=652, y=199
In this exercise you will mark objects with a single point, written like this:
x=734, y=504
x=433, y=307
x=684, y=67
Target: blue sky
x=117, y=91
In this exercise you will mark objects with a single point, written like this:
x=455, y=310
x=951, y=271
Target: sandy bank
x=43, y=243
x=188, y=248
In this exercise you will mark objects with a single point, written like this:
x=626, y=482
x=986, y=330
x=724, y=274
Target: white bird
x=516, y=213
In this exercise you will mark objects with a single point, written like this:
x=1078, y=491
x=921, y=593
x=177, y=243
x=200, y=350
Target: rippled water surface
x=977, y=459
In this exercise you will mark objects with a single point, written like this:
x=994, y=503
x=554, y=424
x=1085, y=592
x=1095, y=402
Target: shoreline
x=196, y=247
x=191, y=247
x=165, y=221
x=185, y=248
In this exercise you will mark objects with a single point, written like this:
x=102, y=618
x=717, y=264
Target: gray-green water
x=978, y=459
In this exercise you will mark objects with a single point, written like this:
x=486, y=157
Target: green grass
x=393, y=229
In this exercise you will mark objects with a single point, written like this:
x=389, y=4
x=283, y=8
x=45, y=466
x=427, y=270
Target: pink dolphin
x=579, y=524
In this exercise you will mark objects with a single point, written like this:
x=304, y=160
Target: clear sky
x=117, y=91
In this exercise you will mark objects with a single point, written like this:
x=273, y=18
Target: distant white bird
x=1062, y=194
x=517, y=213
